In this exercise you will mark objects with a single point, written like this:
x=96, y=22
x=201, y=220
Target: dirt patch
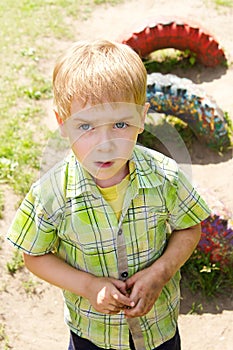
x=32, y=312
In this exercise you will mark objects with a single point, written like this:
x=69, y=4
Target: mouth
x=104, y=164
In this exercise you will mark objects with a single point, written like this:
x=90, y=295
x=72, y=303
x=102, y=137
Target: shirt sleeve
x=187, y=208
x=33, y=229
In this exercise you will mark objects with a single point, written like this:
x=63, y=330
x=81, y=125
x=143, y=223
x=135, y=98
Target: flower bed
x=217, y=240
x=217, y=232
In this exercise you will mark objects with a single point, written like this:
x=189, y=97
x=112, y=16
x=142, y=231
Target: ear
x=144, y=114
x=61, y=124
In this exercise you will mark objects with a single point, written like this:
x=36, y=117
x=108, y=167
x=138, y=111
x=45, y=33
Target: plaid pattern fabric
x=64, y=213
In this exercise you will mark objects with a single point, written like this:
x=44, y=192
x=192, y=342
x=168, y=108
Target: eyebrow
x=85, y=121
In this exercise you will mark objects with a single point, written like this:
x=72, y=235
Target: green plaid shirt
x=64, y=213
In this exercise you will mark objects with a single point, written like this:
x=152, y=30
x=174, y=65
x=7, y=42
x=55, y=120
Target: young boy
x=113, y=223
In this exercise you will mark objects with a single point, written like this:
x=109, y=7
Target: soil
x=31, y=313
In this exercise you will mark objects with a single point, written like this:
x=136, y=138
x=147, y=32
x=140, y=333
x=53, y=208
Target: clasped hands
x=135, y=296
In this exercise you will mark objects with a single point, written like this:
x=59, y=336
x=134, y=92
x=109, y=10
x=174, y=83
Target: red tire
x=177, y=34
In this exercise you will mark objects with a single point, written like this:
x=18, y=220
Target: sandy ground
x=34, y=319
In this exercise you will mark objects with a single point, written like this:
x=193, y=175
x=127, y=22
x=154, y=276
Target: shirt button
x=124, y=274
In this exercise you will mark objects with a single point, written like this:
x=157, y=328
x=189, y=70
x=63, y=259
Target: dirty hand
x=145, y=288
x=109, y=295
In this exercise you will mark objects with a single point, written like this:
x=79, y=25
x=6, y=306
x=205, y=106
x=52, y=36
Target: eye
x=121, y=125
x=85, y=127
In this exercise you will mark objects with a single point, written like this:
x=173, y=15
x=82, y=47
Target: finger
x=122, y=299
x=108, y=312
x=135, y=296
x=130, y=283
x=138, y=310
x=117, y=304
x=112, y=310
x=115, y=308
x=120, y=285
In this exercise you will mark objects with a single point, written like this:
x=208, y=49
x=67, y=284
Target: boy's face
x=103, y=137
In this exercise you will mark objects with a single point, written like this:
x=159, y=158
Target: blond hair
x=98, y=71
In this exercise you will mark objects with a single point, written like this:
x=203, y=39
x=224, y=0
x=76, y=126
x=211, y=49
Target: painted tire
x=181, y=98
x=177, y=34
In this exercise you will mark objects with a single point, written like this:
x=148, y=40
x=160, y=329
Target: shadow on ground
x=199, y=304
x=181, y=145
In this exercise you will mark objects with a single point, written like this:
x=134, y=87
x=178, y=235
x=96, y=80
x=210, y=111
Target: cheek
x=131, y=138
x=81, y=150
x=133, y=134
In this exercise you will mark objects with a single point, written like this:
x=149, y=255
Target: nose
x=105, y=140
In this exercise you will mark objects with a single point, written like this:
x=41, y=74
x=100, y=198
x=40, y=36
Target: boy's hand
x=145, y=290
x=108, y=295
x=146, y=285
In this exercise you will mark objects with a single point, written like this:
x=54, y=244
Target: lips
x=104, y=164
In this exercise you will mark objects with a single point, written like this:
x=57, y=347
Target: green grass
x=166, y=60
x=16, y=263
x=200, y=275
x=31, y=31
x=226, y=3
x=23, y=83
x=4, y=339
x=30, y=286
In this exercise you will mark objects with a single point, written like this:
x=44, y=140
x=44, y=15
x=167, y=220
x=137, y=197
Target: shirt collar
x=78, y=179
x=141, y=169
x=142, y=175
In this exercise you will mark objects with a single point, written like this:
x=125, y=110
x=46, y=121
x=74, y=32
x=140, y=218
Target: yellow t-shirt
x=115, y=195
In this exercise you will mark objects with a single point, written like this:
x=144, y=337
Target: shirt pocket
x=149, y=233
x=86, y=234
